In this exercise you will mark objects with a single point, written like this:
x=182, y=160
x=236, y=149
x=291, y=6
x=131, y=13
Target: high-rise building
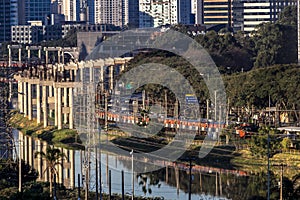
x=33, y=10
x=5, y=20
x=111, y=12
x=184, y=11
x=70, y=9
x=217, y=12
x=91, y=17
x=197, y=11
x=247, y=14
x=14, y=12
x=153, y=13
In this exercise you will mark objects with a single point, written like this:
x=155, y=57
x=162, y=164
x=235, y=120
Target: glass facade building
x=5, y=20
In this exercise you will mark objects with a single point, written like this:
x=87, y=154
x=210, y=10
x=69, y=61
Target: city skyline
x=236, y=15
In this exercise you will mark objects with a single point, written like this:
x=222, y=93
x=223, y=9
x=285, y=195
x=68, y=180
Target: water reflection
x=171, y=182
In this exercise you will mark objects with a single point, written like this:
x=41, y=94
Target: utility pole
x=132, y=171
x=78, y=187
x=96, y=161
x=87, y=178
x=281, y=183
x=268, y=198
x=190, y=181
x=215, y=119
x=216, y=183
x=105, y=112
x=207, y=109
x=20, y=166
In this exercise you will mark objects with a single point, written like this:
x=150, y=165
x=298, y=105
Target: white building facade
x=153, y=13
x=71, y=10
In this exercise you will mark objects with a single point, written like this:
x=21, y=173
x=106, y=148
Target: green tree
x=259, y=143
x=288, y=16
x=286, y=143
x=9, y=173
x=53, y=158
x=276, y=43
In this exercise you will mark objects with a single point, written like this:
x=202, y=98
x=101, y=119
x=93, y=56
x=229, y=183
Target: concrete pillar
x=20, y=96
x=65, y=104
x=55, y=106
x=45, y=172
x=122, y=67
x=111, y=78
x=21, y=144
x=40, y=53
x=25, y=139
x=59, y=109
x=28, y=53
x=62, y=57
x=39, y=159
x=25, y=99
x=50, y=95
x=9, y=55
x=30, y=152
x=46, y=61
x=72, y=168
x=20, y=57
x=102, y=78
x=44, y=100
x=71, y=75
x=58, y=55
x=10, y=88
x=29, y=102
x=38, y=103
x=71, y=126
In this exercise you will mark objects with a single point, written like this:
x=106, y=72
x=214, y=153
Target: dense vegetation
x=272, y=43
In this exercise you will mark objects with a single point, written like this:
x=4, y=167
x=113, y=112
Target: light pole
x=131, y=153
x=268, y=165
x=20, y=167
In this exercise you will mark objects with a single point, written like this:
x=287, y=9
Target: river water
x=207, y=183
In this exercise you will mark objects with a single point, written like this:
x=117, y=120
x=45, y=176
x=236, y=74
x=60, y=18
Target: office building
x=133, y=13
x=217, y=12
x=34, y=10
x=71, y=10
x=5, y=20
x=154, y=13
x=197, y=11
x=111, y=12
x=247, y=14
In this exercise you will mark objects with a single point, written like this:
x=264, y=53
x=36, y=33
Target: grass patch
x=245, y=161
x=66, y=138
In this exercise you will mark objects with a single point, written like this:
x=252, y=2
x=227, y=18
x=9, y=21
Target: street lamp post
x=131, y=153
x=20, y=167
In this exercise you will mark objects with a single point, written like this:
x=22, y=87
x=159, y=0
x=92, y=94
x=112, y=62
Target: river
x=207, y=183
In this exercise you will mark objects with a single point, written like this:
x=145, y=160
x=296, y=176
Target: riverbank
x=223, y=157
x=65, y=138
x=255, y=165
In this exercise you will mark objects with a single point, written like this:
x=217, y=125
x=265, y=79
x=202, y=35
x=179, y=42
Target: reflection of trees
x=148, y=180
x=233, y=187
x=228, y=185
x=9, y=173
x=52, y=157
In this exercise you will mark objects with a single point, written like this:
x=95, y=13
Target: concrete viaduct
x=49, y=88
